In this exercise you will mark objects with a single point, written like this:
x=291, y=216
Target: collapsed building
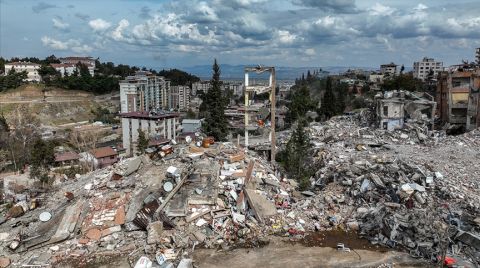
x=458, y=97
x=395, y=108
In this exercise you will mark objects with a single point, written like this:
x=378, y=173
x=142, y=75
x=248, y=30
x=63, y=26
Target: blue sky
x=165, y=34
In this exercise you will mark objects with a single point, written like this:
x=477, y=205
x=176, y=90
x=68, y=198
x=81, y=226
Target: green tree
x=296, y=154
x=142, y=143
x=41, y=159
x=301, y=102
x=190, y=114
x=215, y=103
x=327, y=108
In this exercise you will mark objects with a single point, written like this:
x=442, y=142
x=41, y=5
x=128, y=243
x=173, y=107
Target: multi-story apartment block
x=388, y=69
x=458, y=97
x=155, y=125
x=143, y=92
x=179, y=98
x=422, y=69
x=235, y=87
x=202, y=86
x=29, y=67
x=88, y=61
x=477, y=55
x=64, y=68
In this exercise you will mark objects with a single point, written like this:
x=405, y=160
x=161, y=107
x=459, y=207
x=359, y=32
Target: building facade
x=64, y=68
x=179, y=98
x=388, y=69
x=477, y=55
x=29, y=67
x=155, y=126
x=202, y=86
x=428, y=66
x=458, y=97
x=88, y=61
x=191, y=125
x=143, y=92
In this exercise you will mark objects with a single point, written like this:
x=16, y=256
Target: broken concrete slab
x=68, y=222
x=261, y=207
x=154, y=232
x=469, y=239
x=185, y=263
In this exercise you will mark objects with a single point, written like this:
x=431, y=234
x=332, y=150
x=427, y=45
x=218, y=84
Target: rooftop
x=191, y=121
x=67, y=156
x=57, y=65
x=22, y=63
x=149, y=115
x=103, y=152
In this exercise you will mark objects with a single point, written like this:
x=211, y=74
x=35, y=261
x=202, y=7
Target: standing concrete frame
x=259, y=90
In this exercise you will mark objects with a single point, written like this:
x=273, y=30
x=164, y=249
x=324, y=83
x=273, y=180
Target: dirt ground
x=283, y=254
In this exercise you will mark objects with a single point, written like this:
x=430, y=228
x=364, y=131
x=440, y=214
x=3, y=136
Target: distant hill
x=235, y=72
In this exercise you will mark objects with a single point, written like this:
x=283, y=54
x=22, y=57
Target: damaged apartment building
x=395, y=108
x=143, y=100
x=458, y=97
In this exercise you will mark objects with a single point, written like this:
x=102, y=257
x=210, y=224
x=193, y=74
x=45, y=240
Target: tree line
x=105, y=80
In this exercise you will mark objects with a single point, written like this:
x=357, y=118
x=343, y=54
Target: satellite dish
x=188, y=139
x=168, y=186
x=197, y=134
x=45, y=216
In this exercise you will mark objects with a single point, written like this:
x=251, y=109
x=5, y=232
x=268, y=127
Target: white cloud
x=381, y=10
x=99, y=25
x=117, y=34
x=286, y=37
x=310, y=52
x=59, y=24
x=70, y=44
x=420, y=7
x=82, y=49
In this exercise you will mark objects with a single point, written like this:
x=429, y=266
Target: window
x=385, y=110
x=385, y=125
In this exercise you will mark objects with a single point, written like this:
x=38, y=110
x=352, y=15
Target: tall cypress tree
x=215, y=123
x=328, y=109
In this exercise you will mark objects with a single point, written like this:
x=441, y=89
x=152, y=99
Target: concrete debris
x=4, y=262
x=412, y=188
x=406, y=188
x=154, y=232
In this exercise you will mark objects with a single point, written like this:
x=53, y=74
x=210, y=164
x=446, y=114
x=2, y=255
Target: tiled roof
x=67, y=156
x=103, y=152
x=22, y=63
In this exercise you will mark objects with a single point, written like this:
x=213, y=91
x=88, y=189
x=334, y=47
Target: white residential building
x=29, y=67
x=235, y=86
x=155, y=125
x=375, y=78
x=143, y=92
x=421, y=69
x=88, y=61
x=389, y=69
x=64, y=68
x=179, y=98
x=203, y=86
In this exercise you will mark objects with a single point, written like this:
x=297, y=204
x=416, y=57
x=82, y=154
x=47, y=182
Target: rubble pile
x=410, y=189
x=148, y=211
x=398, y=189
